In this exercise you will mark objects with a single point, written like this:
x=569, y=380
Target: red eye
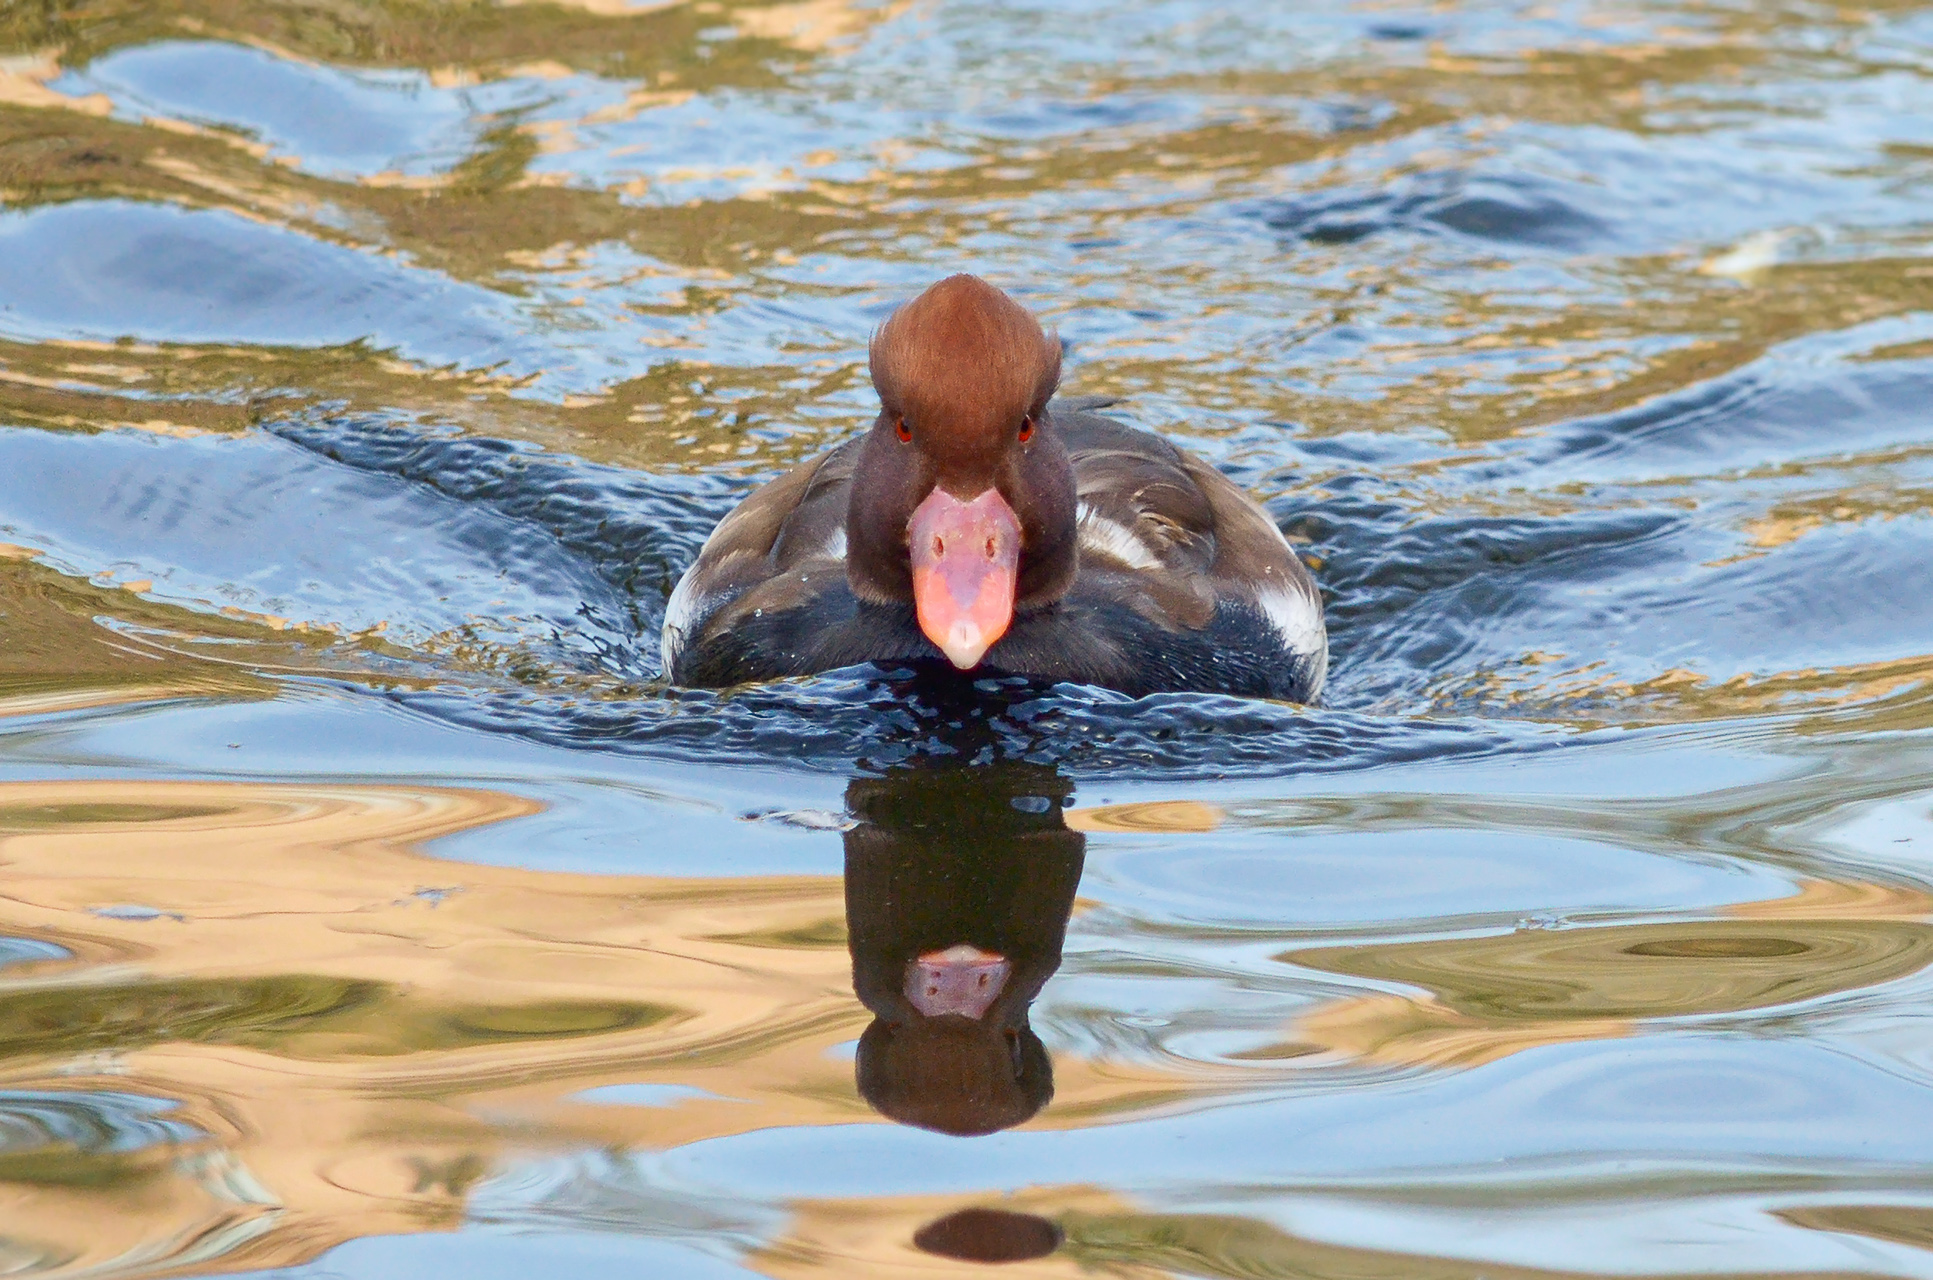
x=904, y=432
x=1027, y=428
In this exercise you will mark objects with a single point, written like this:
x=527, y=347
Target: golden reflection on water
x=57, y=657
x=483, y=217
x=1902, y=1224
x=341, y=1018
x=361, y=1032
x=1148, y=816
x=1234, y=1248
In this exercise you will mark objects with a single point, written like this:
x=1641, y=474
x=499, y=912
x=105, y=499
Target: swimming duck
x=982, y=522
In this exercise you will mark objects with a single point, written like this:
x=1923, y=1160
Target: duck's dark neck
x=1044, y=499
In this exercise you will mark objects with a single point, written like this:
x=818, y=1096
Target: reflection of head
x=959, y=884
x=953, y=1074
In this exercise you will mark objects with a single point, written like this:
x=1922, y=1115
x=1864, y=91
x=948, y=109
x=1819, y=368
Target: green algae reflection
x=292, y=1016
x=1641, y=970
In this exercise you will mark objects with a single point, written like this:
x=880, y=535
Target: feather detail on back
x=1104, y=537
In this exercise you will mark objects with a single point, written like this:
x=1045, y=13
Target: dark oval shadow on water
x=989, y=1235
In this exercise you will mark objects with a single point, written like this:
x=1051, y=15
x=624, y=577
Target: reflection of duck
x=959, y=884
x=979, y=521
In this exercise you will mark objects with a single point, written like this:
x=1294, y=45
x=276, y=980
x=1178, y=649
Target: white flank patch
x=1110, y=538
x=679, y=613
x=1295, y=617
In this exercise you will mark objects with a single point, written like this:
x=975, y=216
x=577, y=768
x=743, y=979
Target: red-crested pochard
x=983, y=523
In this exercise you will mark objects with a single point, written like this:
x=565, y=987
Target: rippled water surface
x=369, y=907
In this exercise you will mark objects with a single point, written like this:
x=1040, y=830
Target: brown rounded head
x=962, y=497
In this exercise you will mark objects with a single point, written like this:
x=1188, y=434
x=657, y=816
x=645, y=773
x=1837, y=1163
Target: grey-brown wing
x=1139, y=506
x=1187, y=537
x=816, y=527
x=1256, y=565
x=796, y=516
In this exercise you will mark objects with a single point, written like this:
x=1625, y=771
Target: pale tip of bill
x=965, y=645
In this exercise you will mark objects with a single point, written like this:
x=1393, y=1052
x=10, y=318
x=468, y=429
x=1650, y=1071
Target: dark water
x=369, y=908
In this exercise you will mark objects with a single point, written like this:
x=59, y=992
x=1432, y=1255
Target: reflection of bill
x=961, y=979
x=959, y=883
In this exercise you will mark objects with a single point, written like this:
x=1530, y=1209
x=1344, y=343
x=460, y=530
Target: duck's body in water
x=984, y=523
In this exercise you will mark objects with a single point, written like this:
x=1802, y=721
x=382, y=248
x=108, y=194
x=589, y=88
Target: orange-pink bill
x=966, y=560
